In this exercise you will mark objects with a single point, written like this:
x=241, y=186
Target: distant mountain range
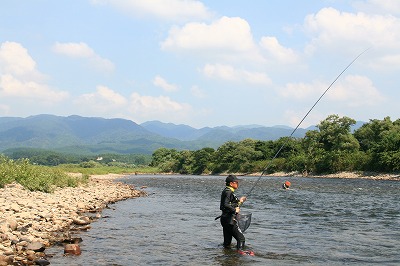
x=93, y=135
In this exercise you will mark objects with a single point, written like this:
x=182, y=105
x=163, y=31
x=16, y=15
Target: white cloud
x=302, y=90
x=170, y=10
x=102, y=101
x=161, y=107
x=357, y=91
x=388, y=62
x=82, y=50
x=352, y=31
x=354, y=91
x=277, y=51
x=162, y=83
x=229, y=73
x=15, y=60
x=19, y=77
x=13, y=87
x=228, y=38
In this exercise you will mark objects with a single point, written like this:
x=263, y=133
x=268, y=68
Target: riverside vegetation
x=331, y=148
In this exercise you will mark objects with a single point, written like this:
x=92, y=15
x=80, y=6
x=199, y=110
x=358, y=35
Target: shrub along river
x=317, y=222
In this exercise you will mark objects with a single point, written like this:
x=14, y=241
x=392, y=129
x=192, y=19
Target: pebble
x=31, y=221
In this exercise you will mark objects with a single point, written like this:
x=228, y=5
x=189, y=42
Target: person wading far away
x=230, y=207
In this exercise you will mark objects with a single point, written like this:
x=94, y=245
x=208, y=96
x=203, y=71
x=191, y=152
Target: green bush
x=34, y=177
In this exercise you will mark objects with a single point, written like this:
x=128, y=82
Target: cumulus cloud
x=102, y=101
x=277, y=51
x=354, y=91
x=161, y=107
x=13, y=87
x=15, y=60
x=228, y=38
x=352, y=30
x=229, y=73
x=162, y=83
x=170, y=10
x=357, y=91
x=83, y=51
x=19, y=77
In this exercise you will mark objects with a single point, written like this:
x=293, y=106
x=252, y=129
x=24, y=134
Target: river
x=316, y=222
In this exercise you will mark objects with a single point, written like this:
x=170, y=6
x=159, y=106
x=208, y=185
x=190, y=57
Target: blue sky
x=200, y=63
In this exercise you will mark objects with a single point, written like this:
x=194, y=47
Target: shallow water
x=316, y=222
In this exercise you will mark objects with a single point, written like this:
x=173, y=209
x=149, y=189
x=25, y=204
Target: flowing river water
x=317, y=222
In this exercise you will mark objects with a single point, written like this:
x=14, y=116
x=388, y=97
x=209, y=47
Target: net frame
x=244, y=220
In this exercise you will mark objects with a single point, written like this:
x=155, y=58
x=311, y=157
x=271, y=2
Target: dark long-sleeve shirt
x=228, y=205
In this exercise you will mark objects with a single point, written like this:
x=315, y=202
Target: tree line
x=331, y=148
x=52, y=158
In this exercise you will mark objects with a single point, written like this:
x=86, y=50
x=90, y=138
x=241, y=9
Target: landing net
x=244, y=220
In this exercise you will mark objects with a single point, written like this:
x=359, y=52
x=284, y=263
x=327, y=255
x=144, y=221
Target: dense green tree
x=332, y=147
x=165, y=159
x=380, y=140
x=202, y=159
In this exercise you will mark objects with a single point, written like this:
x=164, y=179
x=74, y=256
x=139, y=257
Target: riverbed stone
x=13, y=224
x=73, y=249
x=42, y=262
x=36, y=246
x=31, y=221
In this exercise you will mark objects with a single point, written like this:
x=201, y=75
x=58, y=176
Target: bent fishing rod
x=294, y=130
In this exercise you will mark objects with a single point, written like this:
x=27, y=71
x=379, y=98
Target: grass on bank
x=95, y=168
x=36, y=177
x=46, y=178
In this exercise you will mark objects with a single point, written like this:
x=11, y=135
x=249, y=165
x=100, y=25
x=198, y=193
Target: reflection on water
x=316, y=222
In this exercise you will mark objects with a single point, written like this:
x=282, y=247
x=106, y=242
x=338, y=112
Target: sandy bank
x=31, y=221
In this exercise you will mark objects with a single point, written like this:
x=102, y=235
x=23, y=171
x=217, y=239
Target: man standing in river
x=230, y=207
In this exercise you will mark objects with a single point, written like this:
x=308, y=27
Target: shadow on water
x=318, y=222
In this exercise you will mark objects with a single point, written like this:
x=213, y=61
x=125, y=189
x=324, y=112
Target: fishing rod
x=294, y=130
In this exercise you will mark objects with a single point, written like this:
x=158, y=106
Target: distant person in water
x=230, y=207
x=286, y=185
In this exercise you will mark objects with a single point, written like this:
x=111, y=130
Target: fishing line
x=294, y=130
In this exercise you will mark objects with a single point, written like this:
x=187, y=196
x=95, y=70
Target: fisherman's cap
x=231, y=178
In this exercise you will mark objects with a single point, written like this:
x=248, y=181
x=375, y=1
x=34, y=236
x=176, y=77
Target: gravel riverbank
x=32, y=221
x=344, y=175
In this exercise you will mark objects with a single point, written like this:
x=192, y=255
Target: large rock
x=73, y=249
x=13, y=224
x=84, y=220
x=36, y=246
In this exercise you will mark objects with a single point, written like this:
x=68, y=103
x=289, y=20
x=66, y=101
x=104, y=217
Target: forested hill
x=93, y=135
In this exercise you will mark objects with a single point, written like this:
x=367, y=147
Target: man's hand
x=237, y=210
x=243, y=199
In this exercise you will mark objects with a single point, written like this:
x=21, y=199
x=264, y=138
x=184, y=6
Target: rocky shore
x=343, y=175
x=32, y=221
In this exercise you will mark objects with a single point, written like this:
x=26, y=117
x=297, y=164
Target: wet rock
x=82, y=221
x=73, y=249
x=41, y=262
x=74, y=240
